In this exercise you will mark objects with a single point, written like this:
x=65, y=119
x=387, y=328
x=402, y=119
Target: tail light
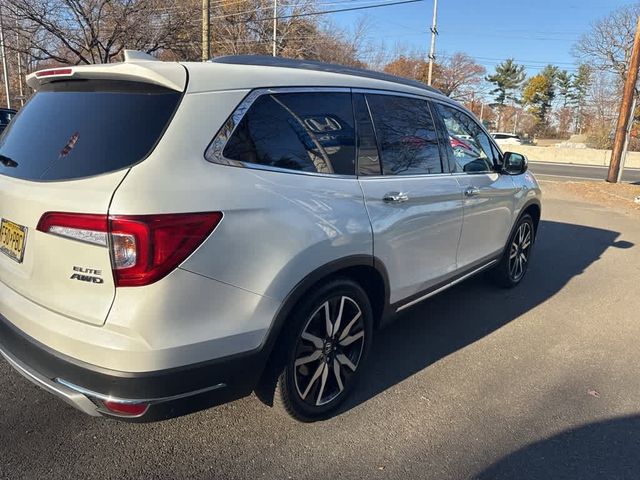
x=144, y=248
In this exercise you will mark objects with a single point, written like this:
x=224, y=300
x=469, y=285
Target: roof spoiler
x=137, y=67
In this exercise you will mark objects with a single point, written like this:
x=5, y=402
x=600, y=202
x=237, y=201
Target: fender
x=314, y=277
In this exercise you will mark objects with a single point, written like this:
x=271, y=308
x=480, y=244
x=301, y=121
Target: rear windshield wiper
x=8, y=162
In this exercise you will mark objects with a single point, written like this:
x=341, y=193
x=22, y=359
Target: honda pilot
x=178, y=235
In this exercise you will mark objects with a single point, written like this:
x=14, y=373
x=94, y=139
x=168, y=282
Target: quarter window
x=309, y=132
x=407, y=137
x=469, y=147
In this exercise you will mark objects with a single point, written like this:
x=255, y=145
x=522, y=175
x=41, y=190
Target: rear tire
x=327, y=345
x=515, y=260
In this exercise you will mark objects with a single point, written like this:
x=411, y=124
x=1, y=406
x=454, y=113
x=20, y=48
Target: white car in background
x=507, y=138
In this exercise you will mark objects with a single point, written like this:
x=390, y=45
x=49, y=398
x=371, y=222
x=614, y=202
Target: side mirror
x=514, y=163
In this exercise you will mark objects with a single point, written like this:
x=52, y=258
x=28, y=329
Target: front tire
x=331, y=333
x=515, y=260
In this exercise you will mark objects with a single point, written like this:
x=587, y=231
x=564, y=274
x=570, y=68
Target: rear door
x=67, y=151
x=488, y=195
x=414, y=204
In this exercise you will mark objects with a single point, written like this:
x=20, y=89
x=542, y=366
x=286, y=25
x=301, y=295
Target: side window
x=368, y=159
x=310, y=132
x=407, y=136
x=469, y=146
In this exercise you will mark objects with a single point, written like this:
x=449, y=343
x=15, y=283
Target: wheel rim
x=519, y=252
x=328, y=351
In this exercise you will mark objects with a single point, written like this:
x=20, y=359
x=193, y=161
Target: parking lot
x=536, y=382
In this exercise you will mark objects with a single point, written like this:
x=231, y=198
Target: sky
x=534, y=32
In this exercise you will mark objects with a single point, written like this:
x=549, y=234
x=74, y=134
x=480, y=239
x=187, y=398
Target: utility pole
x=625, y=109
x=623, y=160
x=206, y=48
x=5, y=70
x=275, y=26
x=434, y=32
x=481, y=110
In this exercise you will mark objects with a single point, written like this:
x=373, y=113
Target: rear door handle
x=395, y=197
x=471, y=191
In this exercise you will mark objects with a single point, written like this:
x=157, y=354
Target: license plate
x=12, y=239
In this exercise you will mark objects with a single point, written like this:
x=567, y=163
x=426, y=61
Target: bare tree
x=457, y=75
x=93, y=31
x=607, y=46
x=96, y=31
x=245, y=27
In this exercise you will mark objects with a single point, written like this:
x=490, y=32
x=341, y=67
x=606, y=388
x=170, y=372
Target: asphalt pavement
x=532, y=383
x=569, y=171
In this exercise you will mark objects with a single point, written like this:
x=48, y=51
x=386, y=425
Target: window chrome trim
x=406, y=177
x=213, y=153
x=395, y=93
x=427, y=175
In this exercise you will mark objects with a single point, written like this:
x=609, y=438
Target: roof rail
x=267, y=61
x=138, y=56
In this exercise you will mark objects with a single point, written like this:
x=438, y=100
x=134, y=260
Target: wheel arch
x=534, y=209
x=366, y=270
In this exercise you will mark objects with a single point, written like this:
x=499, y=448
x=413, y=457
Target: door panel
x=488, y=211
x=488, y=195
x=416, y=238
x=414, y=206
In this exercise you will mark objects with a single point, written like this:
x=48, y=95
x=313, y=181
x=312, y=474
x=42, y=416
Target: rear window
x=75, y=129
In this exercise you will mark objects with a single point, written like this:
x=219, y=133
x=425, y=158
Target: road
x=579, y=172
x=536, y=382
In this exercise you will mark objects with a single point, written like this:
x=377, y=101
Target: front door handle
x=471, y=191
x=395, y=197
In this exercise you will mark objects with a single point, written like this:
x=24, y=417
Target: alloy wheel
x=519, y=251
x=328, y=351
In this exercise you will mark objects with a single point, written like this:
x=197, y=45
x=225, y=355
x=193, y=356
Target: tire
x=517, y=254
x=322, y=366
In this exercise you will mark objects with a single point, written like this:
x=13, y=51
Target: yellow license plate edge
x=12, y=247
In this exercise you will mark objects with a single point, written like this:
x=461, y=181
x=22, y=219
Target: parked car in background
x=507, y=138
x=186, y=233
x=6, y=115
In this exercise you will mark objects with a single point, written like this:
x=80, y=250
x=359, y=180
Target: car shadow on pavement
x=467, y=312
x=607, y=449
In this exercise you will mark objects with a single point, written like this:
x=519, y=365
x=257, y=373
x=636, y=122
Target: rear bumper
x=169, y=393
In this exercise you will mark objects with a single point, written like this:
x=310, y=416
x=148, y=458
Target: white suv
x=177, y=235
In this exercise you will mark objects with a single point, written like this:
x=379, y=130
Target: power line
x=322, y=12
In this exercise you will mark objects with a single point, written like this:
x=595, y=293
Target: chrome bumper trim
x=80, y=397
x=68, y=395
x=150, y=401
